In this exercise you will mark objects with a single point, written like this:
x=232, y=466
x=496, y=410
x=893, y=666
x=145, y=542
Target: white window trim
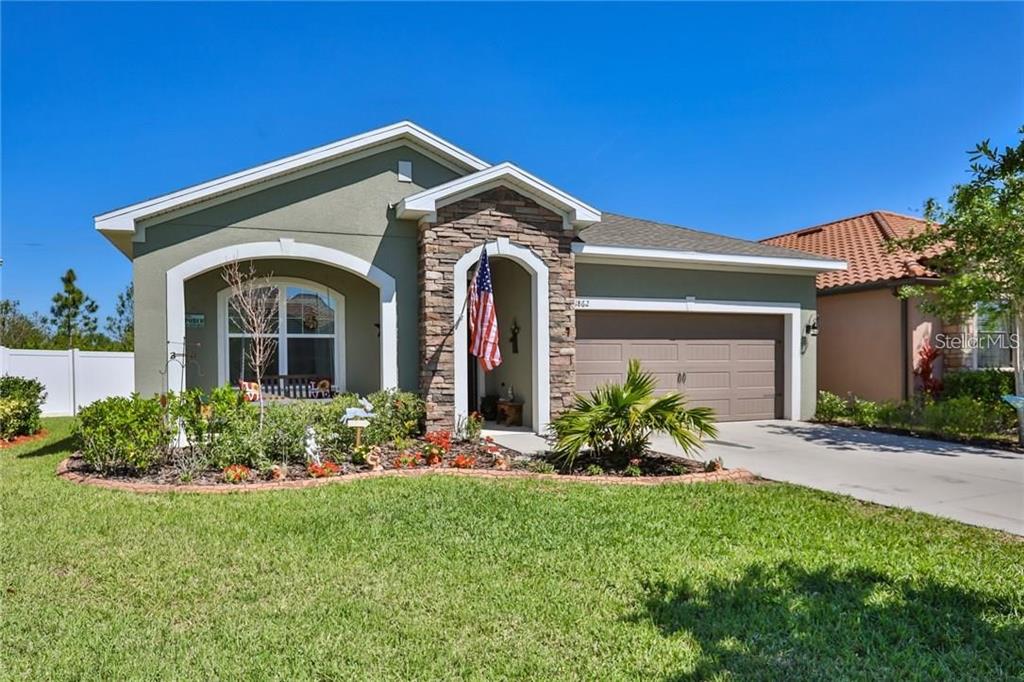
x=282, y=283
x=539, y=302
x=792, y=335
x=286, y=249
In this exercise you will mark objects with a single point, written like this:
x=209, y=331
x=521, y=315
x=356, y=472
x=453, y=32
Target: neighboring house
x=869, y=338
x=371, y=241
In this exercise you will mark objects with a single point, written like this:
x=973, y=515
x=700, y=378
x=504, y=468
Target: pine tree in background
x=73, y=314
x=121, y=325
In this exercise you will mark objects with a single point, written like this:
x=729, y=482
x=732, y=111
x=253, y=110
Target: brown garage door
x=730, y=363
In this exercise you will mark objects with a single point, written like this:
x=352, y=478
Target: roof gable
x=424, y=204
x=126, y=219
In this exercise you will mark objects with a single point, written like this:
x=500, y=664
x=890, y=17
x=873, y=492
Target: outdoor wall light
x=812, y=326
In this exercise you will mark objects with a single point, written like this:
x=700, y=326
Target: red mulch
x=18, y=440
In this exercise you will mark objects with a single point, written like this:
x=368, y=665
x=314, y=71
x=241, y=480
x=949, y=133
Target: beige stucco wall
x=512, y=301
x=859, y=345
x=346, y=207
x=616, y=281
x=921, y=327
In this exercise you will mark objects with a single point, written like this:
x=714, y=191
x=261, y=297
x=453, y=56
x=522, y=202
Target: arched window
x=310, y=331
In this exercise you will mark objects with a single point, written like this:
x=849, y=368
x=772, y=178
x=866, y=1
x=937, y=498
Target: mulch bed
x=655, y=468
x=18, y=440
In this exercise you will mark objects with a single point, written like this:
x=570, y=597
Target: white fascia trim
x=283, y=248
x=425, y=203
x=124, y=219
x=792, y=335
x=539, y=307
x=592, y=253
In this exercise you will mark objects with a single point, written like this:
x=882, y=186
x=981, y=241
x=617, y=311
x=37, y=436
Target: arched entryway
x=531, y=301
x=286, y=249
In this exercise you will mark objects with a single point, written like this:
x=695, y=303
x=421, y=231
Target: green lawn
x=440, y=577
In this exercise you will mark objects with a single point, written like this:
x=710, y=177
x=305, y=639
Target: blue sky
x=743, y=119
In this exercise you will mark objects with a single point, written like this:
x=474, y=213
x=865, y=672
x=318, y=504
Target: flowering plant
x=439, y=439
x=237, y=473
x=325, y=469
x=464, y=462
x=408, y=460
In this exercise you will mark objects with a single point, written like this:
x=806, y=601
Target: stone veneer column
x=459, y=228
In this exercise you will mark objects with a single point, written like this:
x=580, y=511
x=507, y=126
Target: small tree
x=979, y=241
x=253, y=305
x=20, y=330
x=73, y=314
x=121, y=325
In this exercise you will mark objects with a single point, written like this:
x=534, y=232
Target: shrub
x=986, y=385
x=895, y=413
x=237, y=473
x=633, y=469
x=619, y=419
x=862, y=412
x=540, y=466
x=397, y=415
x=332, y=436
x=830, y=407
x=123, y=433
x=12, y=418
x=962, y=417
x=235, y=433
x=23, y=406
x=284, y=431
x=594, y=470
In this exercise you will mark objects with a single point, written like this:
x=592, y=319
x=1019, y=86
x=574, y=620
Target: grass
x=438, y=577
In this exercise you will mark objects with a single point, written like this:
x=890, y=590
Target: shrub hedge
x=21, y=406
x=220, y=429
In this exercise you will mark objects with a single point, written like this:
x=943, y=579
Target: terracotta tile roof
x=863, y=242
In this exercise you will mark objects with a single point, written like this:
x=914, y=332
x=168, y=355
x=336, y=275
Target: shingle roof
x=862, y=241
x=620, y=230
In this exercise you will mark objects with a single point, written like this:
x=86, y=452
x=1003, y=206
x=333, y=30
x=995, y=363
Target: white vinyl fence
x=73, y=378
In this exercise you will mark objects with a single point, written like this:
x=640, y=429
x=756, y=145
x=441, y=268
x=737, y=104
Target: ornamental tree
x=977, y=238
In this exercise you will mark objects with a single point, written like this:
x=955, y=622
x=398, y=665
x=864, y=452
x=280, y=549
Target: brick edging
x=64, y=471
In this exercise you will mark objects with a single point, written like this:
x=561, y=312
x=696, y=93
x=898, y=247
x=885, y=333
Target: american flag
x=483, y=318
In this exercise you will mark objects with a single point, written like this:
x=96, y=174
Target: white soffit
x=624, y=255
x=426, y=203
x=126, y=218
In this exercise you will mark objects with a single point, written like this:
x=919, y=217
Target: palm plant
x=618, y=420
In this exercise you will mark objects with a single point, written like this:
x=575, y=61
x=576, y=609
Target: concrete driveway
x=980, y=486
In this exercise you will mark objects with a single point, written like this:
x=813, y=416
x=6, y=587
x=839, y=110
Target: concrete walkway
x=983, y=487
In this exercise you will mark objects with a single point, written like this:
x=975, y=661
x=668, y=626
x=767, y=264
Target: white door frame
x=539, y=302
x=287, y=249
x=791, y=338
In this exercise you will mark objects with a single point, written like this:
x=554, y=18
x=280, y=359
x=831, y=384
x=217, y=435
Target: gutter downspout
x=905, y=343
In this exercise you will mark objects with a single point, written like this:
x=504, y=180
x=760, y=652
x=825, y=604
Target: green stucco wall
x=346, y=207
x=617, y=281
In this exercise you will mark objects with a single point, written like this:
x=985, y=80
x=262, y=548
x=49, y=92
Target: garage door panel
x=655, y=352
x=762, y=379
x=707, y=352
x=599, y=352
x=738, y=378
x=755, y=352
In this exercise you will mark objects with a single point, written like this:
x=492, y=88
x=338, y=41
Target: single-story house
x=869, y=337
x=371, y=241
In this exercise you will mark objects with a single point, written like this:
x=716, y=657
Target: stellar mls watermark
x=978, y=341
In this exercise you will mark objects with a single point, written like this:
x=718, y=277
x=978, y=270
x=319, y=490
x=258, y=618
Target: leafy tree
x=121, y=325
x=978, y=238
x=73, y=314
x=21, y=330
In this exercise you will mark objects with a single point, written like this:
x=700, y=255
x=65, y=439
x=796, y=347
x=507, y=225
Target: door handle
x=681, y=378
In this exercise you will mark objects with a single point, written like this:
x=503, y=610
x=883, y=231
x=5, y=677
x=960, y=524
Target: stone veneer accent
x=460, y=227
